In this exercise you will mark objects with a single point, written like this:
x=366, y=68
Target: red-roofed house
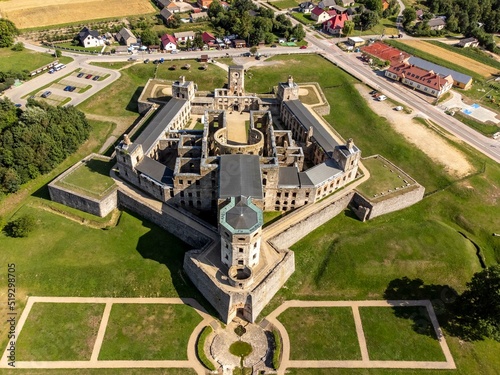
x=335, y=24
x=385, y=4
x=168, y=42
x=208, y=39
x=319, y=15
x=204, y=3
x=420, y=79
x=384, y=52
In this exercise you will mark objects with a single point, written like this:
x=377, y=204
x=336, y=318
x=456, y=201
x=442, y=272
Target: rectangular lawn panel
x=321, y=333
x=59, y=332
x=148, y=332
x=400, y=334
x=107, y=371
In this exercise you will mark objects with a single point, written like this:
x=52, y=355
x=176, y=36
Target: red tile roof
x=385, y=52
x=165, y=39
x=207, y=37
x=421, y=76
x=317, y=11
x=336, y=22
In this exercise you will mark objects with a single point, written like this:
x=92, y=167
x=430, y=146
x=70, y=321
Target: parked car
x=51, y=71
x=303, y=47
x=46, y=94
x=80, y=75
x=96, y=78
x=381, y=98
x=146, y=61
x=274, y=46
x=174, y=51
x=73, y=88
x=67, y=88
x=373, y=92
x=399, y=108
x=88, y=76
x=17, y=105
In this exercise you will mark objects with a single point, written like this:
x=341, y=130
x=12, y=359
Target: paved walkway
x=365, y=362
x=479, y=113
x=191, y=362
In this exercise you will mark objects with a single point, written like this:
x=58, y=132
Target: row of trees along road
x=34, y=141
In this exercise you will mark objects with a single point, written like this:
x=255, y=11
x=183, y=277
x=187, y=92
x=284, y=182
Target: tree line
x=36, y=140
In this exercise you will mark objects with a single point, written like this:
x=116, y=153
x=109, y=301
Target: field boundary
x=365, y=362
x=192, y=362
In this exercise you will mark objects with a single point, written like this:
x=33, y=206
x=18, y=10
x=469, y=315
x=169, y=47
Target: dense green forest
x=34, y=141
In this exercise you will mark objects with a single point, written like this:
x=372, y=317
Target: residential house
x=335, y=24
x=320, y=15
x=385, y=4
x=420, y=14
x=306, y=7
x=347, y=3
x=168, y=42
x=184, y=36
x=239, y=43
x=327, y=4
x=420, y=79
x=89, y=38
x=460, y=80
x=125, y=37
x=436, y=24
x=209, y=39
x=468, y=42
x=196, y=17
x=170, y=5
x=384, y=52
x=166, y=14
x=204, y=3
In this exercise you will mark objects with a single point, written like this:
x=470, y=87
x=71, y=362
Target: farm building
x=460, y=80
x=468, y=42
x=420, y=79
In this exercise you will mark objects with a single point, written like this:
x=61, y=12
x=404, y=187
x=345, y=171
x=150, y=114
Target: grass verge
x=277, y=349
x=200, y=348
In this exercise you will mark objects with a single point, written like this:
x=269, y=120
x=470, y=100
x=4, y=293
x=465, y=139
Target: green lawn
x=59, y=332
x=394, y=338
x=111, y=65
x=148, y=332
x=382, y=178
x=487, y=129
x=92, y=178
x=321, y=333
x=284, y=4
x=304, y=18
x=207, y=80
x=105, y=371
x=386, y=27
x=23, y=60
x=78, y=48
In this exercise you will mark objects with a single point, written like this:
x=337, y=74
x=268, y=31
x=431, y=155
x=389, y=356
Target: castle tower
x=240, y=228
x=348, y=157
x=288, y=90
x=183, y=89
x=236, y=80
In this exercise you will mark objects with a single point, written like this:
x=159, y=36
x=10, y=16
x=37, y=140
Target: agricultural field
x=34, y=13
x=471, y=64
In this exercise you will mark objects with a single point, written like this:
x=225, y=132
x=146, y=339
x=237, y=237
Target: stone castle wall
x=302, y=228
x=366, y=209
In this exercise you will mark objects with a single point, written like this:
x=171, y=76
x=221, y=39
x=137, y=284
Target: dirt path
x=456, y=58
x=433, y=145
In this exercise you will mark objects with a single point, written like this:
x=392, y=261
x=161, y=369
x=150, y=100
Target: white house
x=184, y=36
x=89, y=38
x=168, y=42
x=320, y=15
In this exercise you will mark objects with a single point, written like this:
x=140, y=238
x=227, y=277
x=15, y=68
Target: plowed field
x=455, y=58
x=35, y=13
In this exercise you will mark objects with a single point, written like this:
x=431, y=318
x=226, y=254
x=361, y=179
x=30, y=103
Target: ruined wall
x=403, y=199
x=175, y=222
x=99, y=207
x=301, y=229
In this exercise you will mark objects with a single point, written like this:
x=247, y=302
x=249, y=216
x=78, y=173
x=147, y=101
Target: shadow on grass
x=132, y=104
x=442, y=298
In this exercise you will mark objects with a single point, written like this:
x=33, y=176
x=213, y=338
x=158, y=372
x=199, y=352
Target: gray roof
x=338, y=8
x=155, y=170
x=320, y=173
x=157, y=126
x=424, y=64
x=328, y=3
x=288, y=177
x=240, y=175
x=241, y=216
x=166, y=14
x=85, y=32
x=436, y=22
x=124, y=34
x=320, y=135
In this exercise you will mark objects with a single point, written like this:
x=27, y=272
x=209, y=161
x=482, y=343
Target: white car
x=398, y=108
x=381, y=98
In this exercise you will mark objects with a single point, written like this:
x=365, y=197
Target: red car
x=303, y=47
x=88, y=76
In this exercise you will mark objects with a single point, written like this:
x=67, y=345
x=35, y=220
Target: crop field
x=35, y=13
x=458, y=59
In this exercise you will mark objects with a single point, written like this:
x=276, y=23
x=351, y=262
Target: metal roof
x=424, y=64
x=288, y=177
x=240, y=175
x=155, y=170
x=320, y=135
x=241, y=216
x=158, y=125
x=322, y=172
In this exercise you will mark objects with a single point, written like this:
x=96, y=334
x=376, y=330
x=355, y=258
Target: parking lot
x=65, y=89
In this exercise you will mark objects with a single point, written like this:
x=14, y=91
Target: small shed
x=239, y=43
x=204, y=58
x=355, y=41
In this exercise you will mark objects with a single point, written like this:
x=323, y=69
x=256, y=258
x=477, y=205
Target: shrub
x=21, y=226
x=200, y=352
x=277, y=349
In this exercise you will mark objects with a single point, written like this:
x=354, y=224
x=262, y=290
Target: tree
x=477, y=309
x=375, y=6
x=198, y=40
x=57, y=53
x=18, y=47
x=409, y=15
x=369, y=19
x=174, y=22
x=215, y=9
x=298, y=32
x=8, y=32
x=21, y=226
x=348, y=27
x=253, y=50
x=149, y=38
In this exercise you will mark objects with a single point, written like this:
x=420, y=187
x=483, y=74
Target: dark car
x=67, y=88
x=80, y=75
x=373, y=92
x=274, y=46
x=46, y=94
x=73, y=88
x=17, y=105
x=146, y=61
x=95, y=78
x=88, y=76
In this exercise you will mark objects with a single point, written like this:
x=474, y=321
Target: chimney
x=350, y=144
x=126, y=139
x=183, y=79
x=290, y=81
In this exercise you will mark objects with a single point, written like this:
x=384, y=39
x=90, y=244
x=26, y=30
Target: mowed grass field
x=35, y=13
x=457, y=58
